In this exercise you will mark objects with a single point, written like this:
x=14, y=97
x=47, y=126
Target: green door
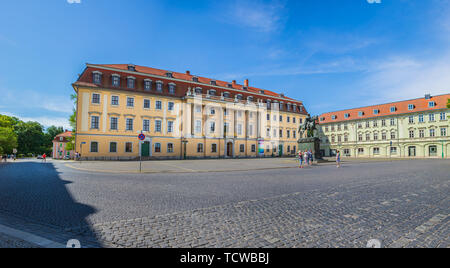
x=280, y=150
x=145, y=149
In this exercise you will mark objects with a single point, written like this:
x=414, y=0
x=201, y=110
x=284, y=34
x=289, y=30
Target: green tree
x=73, y=123
x=448, y=103
x=8, y=140
x=31, y=138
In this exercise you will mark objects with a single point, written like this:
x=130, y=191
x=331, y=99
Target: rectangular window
x=157, y=147
x=158, y=105
x=411, y=134
x=146, y=104
x=375, y=136
x=157, y=125
x=170, y=106
x=97, y=78
x=115, y=100
x=114, y=123
x=113, y=147
x=392, y=122
x=383, y=122
x=431, y=117
x=159, y=86
x=171, y=89
x=253, y=148
x=443, y=132
x=146, y=125
x=214, y=148
x=115, y=81
x=200, y=148
x=239, y=129
x=94, y=147
x=376, y=151
x=288, y=119
x=393, y=136
x=95, y=122
x=129, y=124
x=212, y=127
x=281, y=133
x=147, y=85
x=288, y=134
x=198, y=126
x=421, y=118
x=242, y=148
x=96, y=98
x=293, y=120
x=169, y=126
x=410, y=107
x=443, y=116
x=367, y=137
x=268, y=117
x=383, y=136
x=421, y=133
x=360, y=137
x=130, y=82
x=281, y=118
x=250, y=130
x=432, y=133
x=198, y=109
x=170, y=147
x=130, y=102
x=411, y=119
x=393, y=150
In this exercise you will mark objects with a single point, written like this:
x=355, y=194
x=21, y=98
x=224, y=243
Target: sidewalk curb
x=30, y=238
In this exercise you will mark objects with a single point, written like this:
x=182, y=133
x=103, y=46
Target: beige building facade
x=181, y=115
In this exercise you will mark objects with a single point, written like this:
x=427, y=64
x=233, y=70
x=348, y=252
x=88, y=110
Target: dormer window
x=393, y=109
x=148, y=84
x=195, y=79
x=132, y=68
x=333, y=117
x=239, y=96
x=230, y=85
x=97, y=77
x=376, y=111
x=226, y=94
x=360, y=114
x=198, y=90
x=172, y=88
x=245, y=88
x=261, y=92
x=410, y=107
x=268, y=104
x=115, y=80
x=212, y=92
x=169, y=75
x=159, y=86
x=250, y=98
x=347, y=115
x=131, y=82
x=431, y=104
x=301, y=108
x=322, y=119
x=212, y=82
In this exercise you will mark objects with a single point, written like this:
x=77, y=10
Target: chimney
x=234, y=82
x=246, y=83
x=188, y=72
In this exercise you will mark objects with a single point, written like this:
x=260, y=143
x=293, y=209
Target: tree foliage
x=448, y=103
x=26, y=137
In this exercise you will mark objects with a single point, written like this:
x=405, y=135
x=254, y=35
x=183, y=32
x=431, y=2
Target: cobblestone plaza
x=402, y=203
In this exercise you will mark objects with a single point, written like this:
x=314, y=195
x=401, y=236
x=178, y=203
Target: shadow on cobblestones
x=37, y=198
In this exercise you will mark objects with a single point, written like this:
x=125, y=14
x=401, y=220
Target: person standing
x=338, y=159
x=305, y=156
x=44, y=158
x=300, y=159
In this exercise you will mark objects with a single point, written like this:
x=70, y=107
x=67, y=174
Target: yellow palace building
x=181, y=115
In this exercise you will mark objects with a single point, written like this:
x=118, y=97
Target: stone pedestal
x=313, y=144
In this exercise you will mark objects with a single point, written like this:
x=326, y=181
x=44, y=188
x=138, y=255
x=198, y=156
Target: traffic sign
x=141, y=137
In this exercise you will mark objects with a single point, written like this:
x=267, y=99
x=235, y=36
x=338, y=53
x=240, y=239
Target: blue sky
x=331, y=54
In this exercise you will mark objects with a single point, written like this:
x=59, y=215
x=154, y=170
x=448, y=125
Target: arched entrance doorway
x=412, y=151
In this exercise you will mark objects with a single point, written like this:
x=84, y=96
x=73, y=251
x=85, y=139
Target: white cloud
x=405, y=77
x=46, y=121
x=74, y=1
x=264, y=17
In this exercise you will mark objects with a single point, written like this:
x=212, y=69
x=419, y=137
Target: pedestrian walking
x=305, y=156
x=338, y=159
x=300, y=159
x=44, y=158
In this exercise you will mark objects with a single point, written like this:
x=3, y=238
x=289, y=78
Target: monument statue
x=309, y=138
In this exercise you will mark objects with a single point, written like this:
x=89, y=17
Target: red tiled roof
x=188, y=77
x=420, y=105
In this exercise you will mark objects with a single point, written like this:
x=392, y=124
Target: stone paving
x=402, y=204
x=397, y=214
